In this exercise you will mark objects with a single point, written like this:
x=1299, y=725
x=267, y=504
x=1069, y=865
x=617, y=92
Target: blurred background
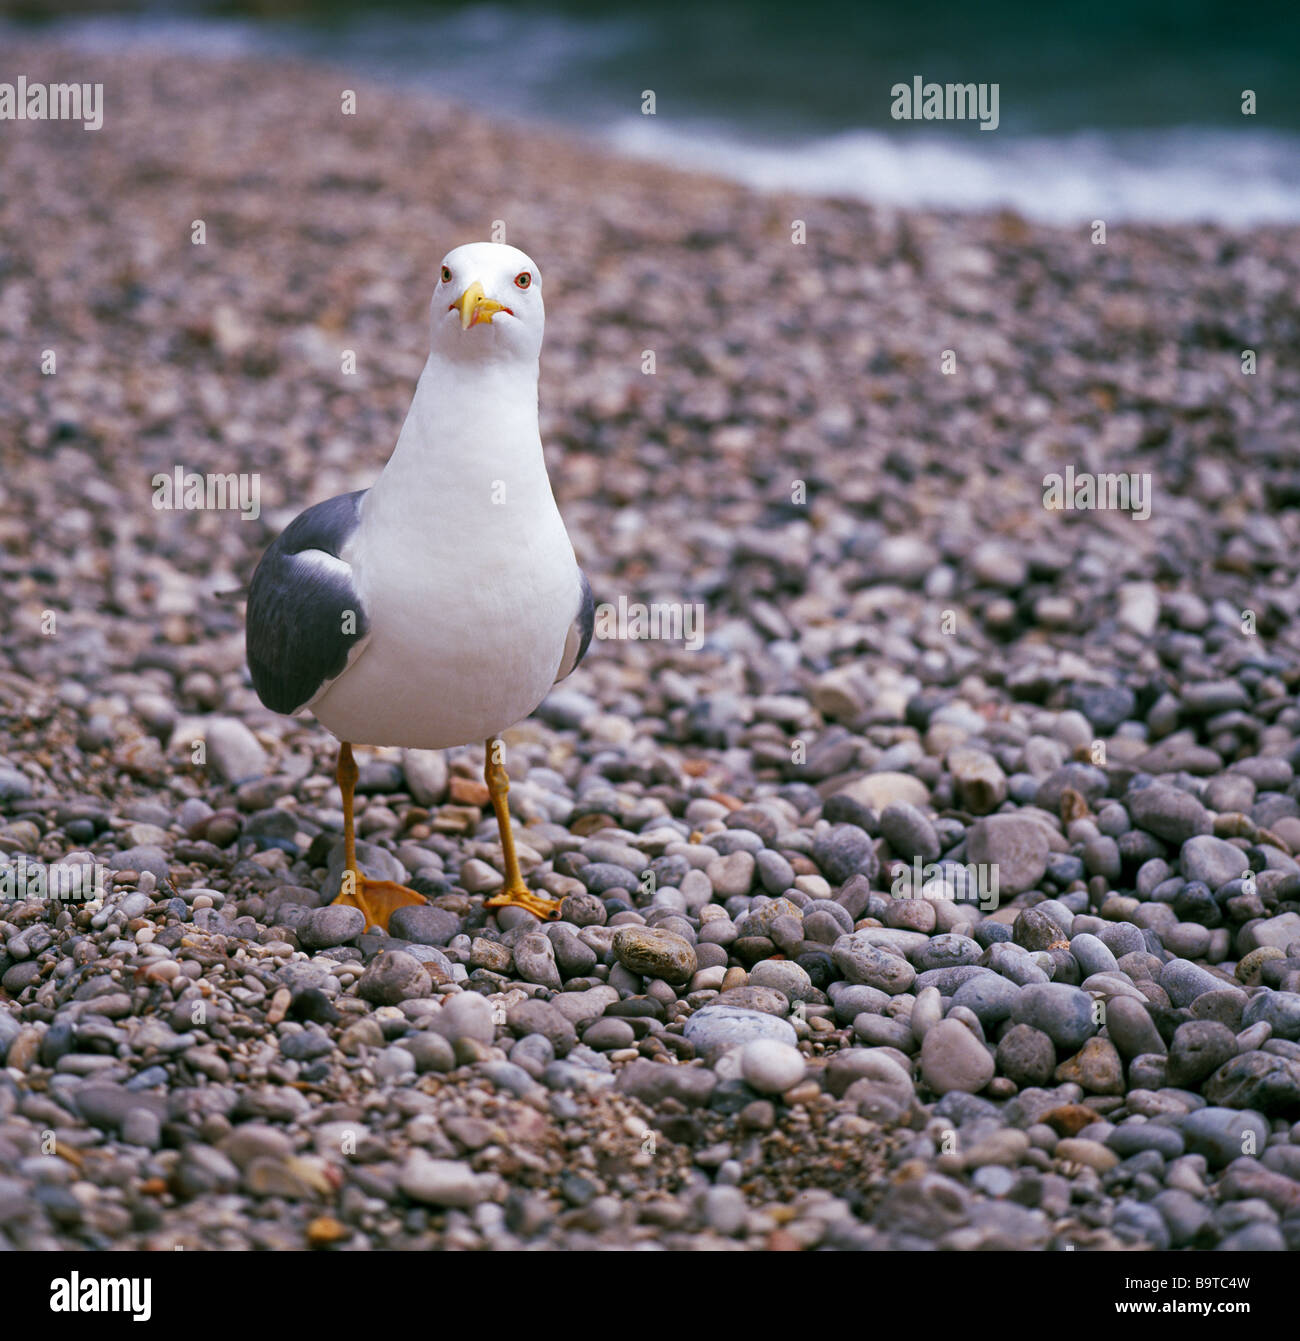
x=1124, y=111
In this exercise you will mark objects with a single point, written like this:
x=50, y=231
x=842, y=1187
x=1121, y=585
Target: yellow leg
x=377, y=899
x=514, y=893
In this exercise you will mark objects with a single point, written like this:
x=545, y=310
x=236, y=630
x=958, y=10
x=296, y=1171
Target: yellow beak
x=474, y=306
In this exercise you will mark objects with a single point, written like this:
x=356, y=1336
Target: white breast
x=469, y=583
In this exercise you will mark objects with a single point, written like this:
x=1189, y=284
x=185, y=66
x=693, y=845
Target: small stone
x=1092, y=1154
x=1185, y=981
x=535, y=960
x=1016, y=845
x=981, y=783
x=783, y=975
x=392, y=977
x=1096, y=1066
x=1062, y=1012
x=466, y=1015
x=424, y=924
x=878, y=790
x=1169, y=813
x=425, y=772
x=653, y=1083
x=1213, y=861
x=731, y=875
x=233, y=752
x=654, y=953
x=715, y=1029
x=952, y=1058
x=843, y=851
x=1256, y=1080
x=1272, y=933
x=541, y=1017
x=771, y=1067
x=609, y=1034
x=1200, y=1047
x=862, y=962
x=1223, y=1134
x=1279, y=1010
x=430, y=1052
x=909, y=833
x=1026, y=1055
x=1131, y=1028
x=583, y=910
x=477, y=877
x=442, y=1182
x=336, y=924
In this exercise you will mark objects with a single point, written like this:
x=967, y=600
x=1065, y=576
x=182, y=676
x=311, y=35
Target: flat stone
x=716, y=1029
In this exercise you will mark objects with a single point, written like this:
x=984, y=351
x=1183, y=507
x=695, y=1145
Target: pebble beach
x=829, y=428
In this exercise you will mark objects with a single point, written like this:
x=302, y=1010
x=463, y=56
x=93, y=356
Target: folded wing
x=306, y=623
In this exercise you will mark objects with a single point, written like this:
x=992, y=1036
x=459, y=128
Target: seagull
x=439, y=606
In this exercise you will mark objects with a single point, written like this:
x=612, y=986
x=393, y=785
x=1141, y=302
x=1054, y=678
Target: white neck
x=470, y=444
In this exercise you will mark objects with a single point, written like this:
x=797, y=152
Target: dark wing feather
x=579, y=639
x=298, y=603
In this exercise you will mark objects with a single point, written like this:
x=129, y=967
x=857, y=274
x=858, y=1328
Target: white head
x=487, y=306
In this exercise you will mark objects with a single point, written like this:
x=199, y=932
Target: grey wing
x=579, y=639
x=305, y=617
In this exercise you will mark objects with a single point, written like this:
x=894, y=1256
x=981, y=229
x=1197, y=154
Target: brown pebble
x=1069, y=1119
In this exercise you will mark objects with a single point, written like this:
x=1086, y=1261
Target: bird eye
x=446, y=273
x=523, y=279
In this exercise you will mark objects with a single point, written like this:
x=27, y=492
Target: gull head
x=487, y=306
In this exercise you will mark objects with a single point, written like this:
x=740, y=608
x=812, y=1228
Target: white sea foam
x=1187, y=175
